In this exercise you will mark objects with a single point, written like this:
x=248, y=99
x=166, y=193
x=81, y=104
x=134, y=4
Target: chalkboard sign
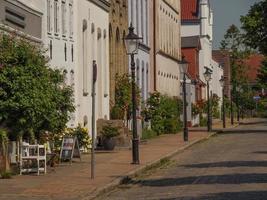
x=69, y=149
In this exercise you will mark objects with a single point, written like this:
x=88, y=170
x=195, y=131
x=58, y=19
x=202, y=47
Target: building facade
x=166, y=46
x=118, y=29
x=223, y=58
x=92, y=26
x=138, y=15
x=59, y=38
x=76, y=35
x=24, y=17
x=197, y=20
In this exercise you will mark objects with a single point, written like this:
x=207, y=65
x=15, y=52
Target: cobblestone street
x=231, y=166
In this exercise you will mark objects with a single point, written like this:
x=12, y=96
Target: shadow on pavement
x=229, y=164
x=246, y=195
x=260, y=152
x=206, y=180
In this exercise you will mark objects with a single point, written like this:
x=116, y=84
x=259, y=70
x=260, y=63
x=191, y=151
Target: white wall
x=188, y=30
x=138, y=15
x=61, y=44
x=92, y=44
x=216, y=76
x=168, y=76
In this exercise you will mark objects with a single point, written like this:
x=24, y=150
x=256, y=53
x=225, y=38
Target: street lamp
x=207, y=76
x=132, y=43
x=231, y=104
x=184, y=65
x=222, y=82
x=239, y=90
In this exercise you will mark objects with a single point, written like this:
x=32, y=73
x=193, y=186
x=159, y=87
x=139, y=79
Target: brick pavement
x=69, y=182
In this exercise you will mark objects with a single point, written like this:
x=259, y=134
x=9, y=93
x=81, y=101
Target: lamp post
x=239, y=90
x=223, y=103
x=231, y=105
x=184, y=65
x=207, y=75
x=132, y=43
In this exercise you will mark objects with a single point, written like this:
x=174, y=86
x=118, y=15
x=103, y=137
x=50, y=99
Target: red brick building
x=190, y=49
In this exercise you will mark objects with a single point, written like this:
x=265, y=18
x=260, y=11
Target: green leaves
x=262, y=75
x=255, y=26
x=163, y=112
x=33, y=97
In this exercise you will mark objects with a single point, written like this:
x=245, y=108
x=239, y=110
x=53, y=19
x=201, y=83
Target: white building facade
x=75, y=36
x=92, y=46
x=201, y=24
x=138, y=15
x=167, y=47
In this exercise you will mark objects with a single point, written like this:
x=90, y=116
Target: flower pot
x=109, y=143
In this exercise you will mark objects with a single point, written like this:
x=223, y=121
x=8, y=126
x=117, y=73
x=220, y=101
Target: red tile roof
x=253, y=63
x=189, y=9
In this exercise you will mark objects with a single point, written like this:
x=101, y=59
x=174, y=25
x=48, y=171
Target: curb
x=125, y=178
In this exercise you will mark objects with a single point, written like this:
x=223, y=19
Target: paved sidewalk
x=69, y=182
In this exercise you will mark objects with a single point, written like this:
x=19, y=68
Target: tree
x=255, y=26
x=33, y=97
x=262, y=75
x=234, y=43
x=123, y=97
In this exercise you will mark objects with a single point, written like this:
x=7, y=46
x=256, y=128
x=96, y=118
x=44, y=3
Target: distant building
x=253, y=64
x=118, y=28
x=197, y=20
x=223, y=58
x=190, y=49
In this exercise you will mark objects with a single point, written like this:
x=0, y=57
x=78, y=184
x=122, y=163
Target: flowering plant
x=80, y=132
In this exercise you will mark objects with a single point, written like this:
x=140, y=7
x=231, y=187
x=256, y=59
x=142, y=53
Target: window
x=137, y=17
x=63, y=13
x=56, y=16
x=48, y=15
x=71, y=20
x=72, y=52
x=51, y=49
x=65, y=51
x=142, y=18
x=84, y=46
x=146, y=21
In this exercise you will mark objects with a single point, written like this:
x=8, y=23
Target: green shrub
x=6, y=175
x=203, y=121
x=109, y=131
x=164, y=113
x=148, y=134
x=3, y=136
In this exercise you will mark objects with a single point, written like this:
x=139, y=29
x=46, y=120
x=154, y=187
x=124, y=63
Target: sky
x=226, y=13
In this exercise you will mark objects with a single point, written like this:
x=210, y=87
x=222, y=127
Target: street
x=230, y=166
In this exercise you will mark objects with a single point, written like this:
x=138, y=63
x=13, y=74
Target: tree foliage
x=255, y=26
x=234, y=43
x=262, y=75
x=123, y=97
x=33, y=97
x=163, y=112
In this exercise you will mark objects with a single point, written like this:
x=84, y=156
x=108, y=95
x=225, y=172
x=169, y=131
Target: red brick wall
x=191, y=56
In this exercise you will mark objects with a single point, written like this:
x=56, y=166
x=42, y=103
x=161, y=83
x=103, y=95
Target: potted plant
x=108, y=133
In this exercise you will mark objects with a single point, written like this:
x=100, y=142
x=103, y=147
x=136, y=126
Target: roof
x=189, y=10
x=191, y=42
x=221, y=56
x=253, y=63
